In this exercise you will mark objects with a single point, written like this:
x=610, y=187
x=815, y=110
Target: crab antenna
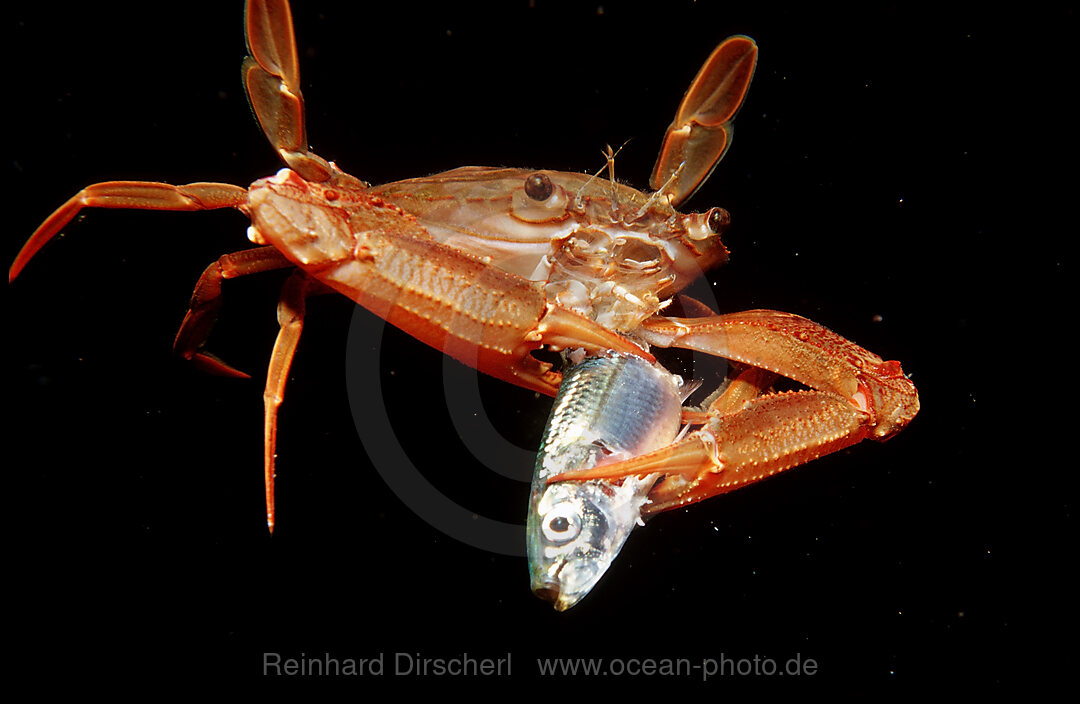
x=609, y=159
x=577, y=196
x=659, y=192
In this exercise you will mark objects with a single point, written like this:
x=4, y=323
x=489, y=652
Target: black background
x=867, y=180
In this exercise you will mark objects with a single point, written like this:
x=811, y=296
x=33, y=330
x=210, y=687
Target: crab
x=490, y=265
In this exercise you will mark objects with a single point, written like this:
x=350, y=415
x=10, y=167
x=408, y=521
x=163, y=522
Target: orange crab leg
x=854, y=395
x=745, y=386
x=767, y=436
x=137, y=195
x=701, y=132
x=272, y=78
x=206, y=301
x=290, y=313
x=799, y=349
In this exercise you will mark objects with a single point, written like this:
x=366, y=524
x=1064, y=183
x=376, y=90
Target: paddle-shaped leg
x=701, y=131
x=272, y=78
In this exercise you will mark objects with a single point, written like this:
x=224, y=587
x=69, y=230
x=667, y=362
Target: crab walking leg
x=135, y=195
x=746, y=386
x=206, y=301
x=290, y=314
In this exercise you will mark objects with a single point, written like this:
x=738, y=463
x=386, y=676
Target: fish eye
x=562, y=523
x=539, y=187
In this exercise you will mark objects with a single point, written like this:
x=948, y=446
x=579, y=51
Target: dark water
x=864, y=186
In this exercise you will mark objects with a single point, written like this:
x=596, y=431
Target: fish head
x=575, y=530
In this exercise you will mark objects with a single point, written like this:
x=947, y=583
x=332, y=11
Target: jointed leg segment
x=745, y=436
x=291, y=310
x=135, y=195
x=206, y=301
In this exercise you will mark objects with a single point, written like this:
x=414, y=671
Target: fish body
x=609, y=407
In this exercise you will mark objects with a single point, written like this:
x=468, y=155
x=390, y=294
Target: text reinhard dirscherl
x=394, y=664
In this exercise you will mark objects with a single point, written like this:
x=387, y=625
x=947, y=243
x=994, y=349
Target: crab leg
x=206, y=301
x=702, y=129
x=272, y=77
x=799, y=349
x=854, y=395
x=290, y=314
x=136, y=195
x=745, y=386
x=767, y=436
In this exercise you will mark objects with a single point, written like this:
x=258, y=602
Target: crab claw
x=765, y=436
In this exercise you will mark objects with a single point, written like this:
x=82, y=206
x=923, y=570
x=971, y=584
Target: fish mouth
x=552, y=588
x=548, y=587
x=552, y=593
x=548, y=591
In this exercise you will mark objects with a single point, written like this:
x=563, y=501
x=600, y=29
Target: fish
x=609, y=407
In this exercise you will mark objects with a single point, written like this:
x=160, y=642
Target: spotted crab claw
x=751, y=433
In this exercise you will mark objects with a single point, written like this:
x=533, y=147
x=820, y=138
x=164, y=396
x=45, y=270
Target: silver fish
x=608, y=408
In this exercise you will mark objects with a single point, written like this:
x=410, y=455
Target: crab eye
x=718, y=220
x=562, y=523
x=538, y=187
x=539, y=199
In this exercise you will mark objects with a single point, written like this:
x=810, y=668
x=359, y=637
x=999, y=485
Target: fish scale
x=609, y=407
